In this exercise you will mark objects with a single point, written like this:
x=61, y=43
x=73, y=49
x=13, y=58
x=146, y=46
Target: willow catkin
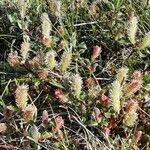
x=132, y=28
x=137, y=75
x=77, y=85
x=46, y=29
x=132, y=87
x=25, y=48
x=116, y=93
x=58, y=4
x=13, y=59
x=65, y=61
x=46, y=25
x=45, y=117
x=22, y=6
x=122, y=75
x=29, y=113
x=96, y=52
x=42, y=74
x=50, y=60
x=21, y=96
x=130, y=118
x=131, y=115
x=145, y=42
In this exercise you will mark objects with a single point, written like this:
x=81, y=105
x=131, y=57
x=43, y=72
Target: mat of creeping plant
x=74, y=75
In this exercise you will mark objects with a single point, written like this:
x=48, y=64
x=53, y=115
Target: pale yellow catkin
x=22, y=6
x=145, y=41
x=130, y=118
x=25, y=48
x=132, y=28
x=65, y=61
x=46, y=25
x=122, y=75
x=50, y=60
x=55, y=7
x=58, y=8
x=21, y=96
x=116, y=93
x=77, y=85
x=94, y=91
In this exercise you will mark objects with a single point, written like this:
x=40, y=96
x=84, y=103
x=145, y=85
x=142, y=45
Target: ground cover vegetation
x=75, y=74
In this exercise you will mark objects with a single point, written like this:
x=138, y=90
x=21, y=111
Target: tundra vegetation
x=74, y=74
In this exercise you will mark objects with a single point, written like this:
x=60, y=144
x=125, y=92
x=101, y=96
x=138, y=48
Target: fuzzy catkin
x=21, y=96
x=77, y=85
x=145, y=41
x=22, y=6
x=131, y=115
x=132, y=29
x=130, y=118
x=58, y=8
x=29, y=113
x=43, y=73
x=122, y=75
x=132, y=105
x=46, y=25
x=65, y=61
x=13, y=59
x=137, y=75
x=25, y=48
x=50, y=60
x=115, y=95
x=132, y=87
x=94, y=91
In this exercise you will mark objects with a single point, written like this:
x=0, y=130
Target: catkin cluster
x=21, y=97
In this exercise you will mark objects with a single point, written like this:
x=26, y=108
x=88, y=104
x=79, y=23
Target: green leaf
x=147, y=78
x=2, y=102
x=93, y=123
x=147, y=87
x=56, y=84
